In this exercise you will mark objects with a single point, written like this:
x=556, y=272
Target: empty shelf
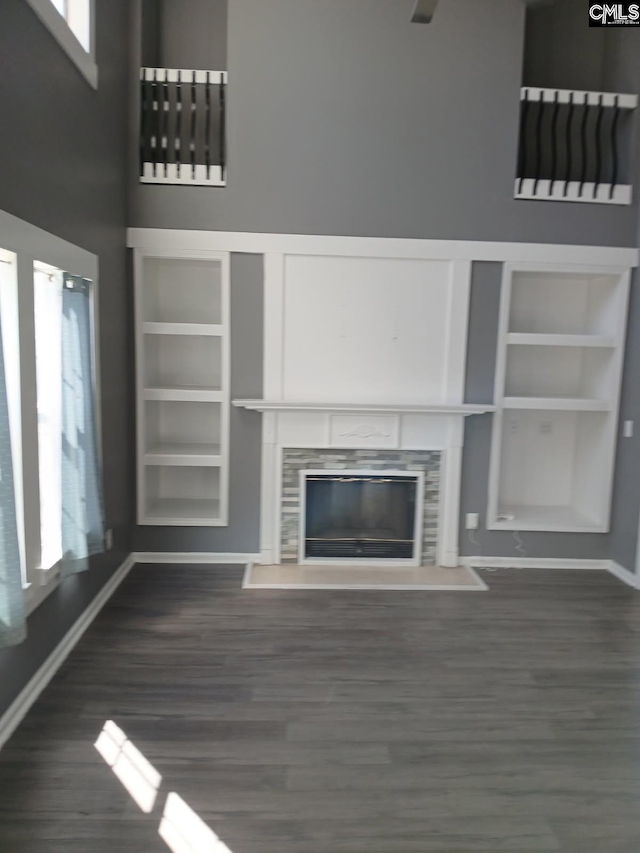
x=186, y=512
x=561, y=518
x=543, y=340
x=565, y=404
x=173, y=453
x=206, y=329
x=193, y=393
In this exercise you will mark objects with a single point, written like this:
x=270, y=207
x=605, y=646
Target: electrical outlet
x=472, y=521
x=628, y=429
x=546, y=427
x=513, y=427
x=108, y=539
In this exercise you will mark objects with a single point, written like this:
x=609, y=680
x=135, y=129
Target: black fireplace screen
x=364, y=516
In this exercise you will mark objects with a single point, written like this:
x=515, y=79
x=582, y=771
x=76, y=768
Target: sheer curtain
x=71, y=516
x=48, y=326
x=81, y=481
x=12, y=615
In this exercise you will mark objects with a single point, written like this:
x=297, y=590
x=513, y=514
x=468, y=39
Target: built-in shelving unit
x=558, y=373
x=182, y=353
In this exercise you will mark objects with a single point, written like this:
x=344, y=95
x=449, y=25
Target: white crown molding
x=380, y=247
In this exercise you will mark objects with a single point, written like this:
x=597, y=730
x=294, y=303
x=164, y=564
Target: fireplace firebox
x=361, y=515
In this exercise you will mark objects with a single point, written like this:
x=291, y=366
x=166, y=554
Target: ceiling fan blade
x=424, y=11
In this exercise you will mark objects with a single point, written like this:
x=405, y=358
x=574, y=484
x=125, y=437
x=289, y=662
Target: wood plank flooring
x=342, y=722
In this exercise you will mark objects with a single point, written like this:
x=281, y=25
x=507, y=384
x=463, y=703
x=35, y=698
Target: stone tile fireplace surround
x=295, y=460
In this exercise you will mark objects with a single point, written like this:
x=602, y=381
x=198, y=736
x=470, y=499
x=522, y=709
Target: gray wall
x=561, y=50
x=185, y=34
x=625, y=67
x=626, y=502
x=345, y=118
x=481, y=360
x=63, y=160
x=243, y=532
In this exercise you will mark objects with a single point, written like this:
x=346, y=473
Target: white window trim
x=30, y=245
x=60, y=30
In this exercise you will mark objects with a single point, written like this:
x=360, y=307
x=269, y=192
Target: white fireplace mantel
x=342, y=332
x=464, y=409
x=379, y=426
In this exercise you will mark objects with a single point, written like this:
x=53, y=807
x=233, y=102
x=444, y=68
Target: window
x=48, y=321
x=77, y=14
x=71, y=22
x=68, y=436
x=49, y=369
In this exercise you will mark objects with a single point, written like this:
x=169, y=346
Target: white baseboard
x=624, y=575
x=533, y=563
x=196, y=558
x=15, y=713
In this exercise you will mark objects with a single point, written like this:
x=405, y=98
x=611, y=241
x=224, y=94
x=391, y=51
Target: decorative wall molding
x=379, y=247
x=354, y=431
x=16, y=712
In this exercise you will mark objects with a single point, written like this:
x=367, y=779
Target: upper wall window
x=77, y=14
x=72, y=24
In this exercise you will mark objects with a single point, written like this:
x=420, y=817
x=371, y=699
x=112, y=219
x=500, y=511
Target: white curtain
x=48, y=327
x=12, y=615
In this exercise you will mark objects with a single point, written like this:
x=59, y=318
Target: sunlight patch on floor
x=184, y=832
x=138, y=776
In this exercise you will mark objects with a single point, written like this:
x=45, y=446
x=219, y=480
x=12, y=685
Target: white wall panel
x=365, y=329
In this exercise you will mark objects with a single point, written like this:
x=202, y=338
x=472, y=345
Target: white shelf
x=181, y=289
x=186, y=393
x=558, y=370
x=561, y=518
x=200, y=329
x=557, y=340
x=183, y=512
x=177, y=360
x=172, y=453
x=182, y=374
x=558, y=404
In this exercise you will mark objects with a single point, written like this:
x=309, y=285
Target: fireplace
x=361, y=515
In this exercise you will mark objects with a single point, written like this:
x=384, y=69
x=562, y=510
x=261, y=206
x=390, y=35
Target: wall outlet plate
x=108, y=539
x=472, y=521
x=627, y=430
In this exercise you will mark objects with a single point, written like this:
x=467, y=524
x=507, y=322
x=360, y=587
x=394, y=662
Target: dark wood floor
x=340, y=722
